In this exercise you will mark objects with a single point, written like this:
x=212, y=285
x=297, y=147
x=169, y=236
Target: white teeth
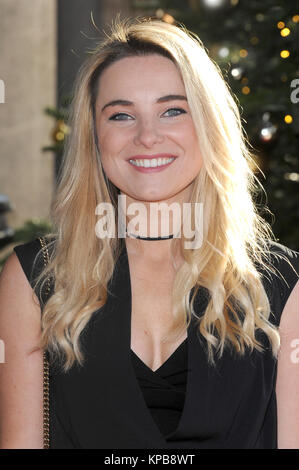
x=152, y=163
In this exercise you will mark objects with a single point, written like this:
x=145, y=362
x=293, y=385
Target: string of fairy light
x=236, y=72
x=285, y=53
x=285, y=31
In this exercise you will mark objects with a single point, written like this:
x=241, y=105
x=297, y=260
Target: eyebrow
x=163, y=99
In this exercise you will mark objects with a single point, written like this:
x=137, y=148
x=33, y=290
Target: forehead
x=134, y=75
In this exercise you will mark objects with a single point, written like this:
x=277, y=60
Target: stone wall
x=28, y=70
x=42, y=45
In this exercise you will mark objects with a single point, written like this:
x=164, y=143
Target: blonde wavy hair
x=233, y=242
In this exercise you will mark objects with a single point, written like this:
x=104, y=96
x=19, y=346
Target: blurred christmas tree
x=256, y=45
x=60, y=131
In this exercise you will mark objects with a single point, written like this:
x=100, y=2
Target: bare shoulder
x=21, y=371
x=287, y=385
x=290, y=316
x=15, y=289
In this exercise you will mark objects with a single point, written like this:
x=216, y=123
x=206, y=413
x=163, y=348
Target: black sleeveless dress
x=116, y=402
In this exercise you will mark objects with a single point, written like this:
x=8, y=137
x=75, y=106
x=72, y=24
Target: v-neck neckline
x=125, y=294
x=165, y=363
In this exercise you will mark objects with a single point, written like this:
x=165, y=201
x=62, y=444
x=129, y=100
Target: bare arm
x=21, y=381
x=287, y=386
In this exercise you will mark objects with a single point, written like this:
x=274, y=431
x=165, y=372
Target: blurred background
x=43, y=44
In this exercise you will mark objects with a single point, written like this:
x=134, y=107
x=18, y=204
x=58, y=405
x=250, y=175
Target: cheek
x=107, y=145
x=185, y=132
x=187, y=137
x=111, y=141
x=110, y=145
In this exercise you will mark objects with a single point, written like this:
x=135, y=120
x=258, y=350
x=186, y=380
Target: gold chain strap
x=46, y=430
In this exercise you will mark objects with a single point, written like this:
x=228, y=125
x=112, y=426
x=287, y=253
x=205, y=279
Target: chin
x=152, y=197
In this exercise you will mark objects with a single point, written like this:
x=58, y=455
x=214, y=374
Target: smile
x=151, y=163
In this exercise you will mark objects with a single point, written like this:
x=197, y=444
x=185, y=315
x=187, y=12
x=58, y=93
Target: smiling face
x=146, y=136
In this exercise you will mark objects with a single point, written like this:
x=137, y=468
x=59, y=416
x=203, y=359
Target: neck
x=153, y=242
x=151, y=250
x=139, y=237
x=156, y=220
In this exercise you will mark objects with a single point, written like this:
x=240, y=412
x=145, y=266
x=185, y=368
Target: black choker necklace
x=149, y=238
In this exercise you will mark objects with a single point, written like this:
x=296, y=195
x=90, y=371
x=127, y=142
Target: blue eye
x=175, y=111
x=115, y=116
x=172, y=112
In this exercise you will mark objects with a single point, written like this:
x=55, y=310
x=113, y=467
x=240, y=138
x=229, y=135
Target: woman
x=152, y=343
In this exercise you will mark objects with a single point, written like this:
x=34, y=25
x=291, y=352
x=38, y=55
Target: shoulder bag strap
x=46, y=430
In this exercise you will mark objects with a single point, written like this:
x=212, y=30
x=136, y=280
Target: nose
x=148, y=134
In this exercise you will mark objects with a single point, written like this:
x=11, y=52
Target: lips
x=149, y=157
x=151, y=163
